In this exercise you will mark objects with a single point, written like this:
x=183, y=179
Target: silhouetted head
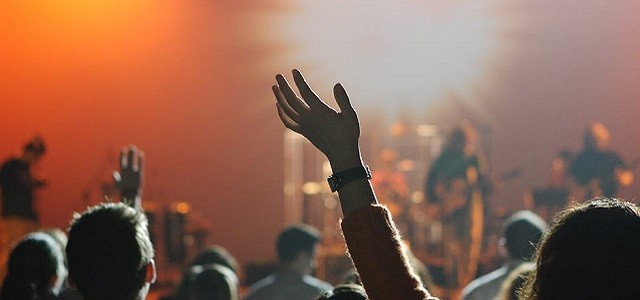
x=463, y=138
x=212, y=282
x=216, y=255
x=110, y=254
x=521, y=233
x=34, y=149
x=596, y=137
x=35, y=269
x=345, y=292
x=592, y=251
x=296, y=246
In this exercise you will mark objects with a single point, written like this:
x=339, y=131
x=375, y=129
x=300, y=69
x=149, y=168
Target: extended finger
x=116, y=176
x=307, y=93
x=284, y=104
x=139, y=162
x=130, y=157
x=123, y=158
x=343, y=101
x=287, y=121
x=294, y=101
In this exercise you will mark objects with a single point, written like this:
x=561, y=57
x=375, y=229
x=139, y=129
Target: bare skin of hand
x=334, y=133
x=130, y=178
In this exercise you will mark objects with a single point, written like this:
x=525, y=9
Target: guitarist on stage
x=596, y=170
x=456, y=183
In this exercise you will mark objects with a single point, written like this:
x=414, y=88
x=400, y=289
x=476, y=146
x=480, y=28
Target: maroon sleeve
x=376, y=251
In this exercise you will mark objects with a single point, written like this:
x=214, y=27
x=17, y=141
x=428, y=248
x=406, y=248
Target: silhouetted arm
x=131, y=176
x=369, y=231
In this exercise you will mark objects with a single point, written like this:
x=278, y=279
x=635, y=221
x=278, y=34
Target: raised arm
x=131, y=176
x=370, y=234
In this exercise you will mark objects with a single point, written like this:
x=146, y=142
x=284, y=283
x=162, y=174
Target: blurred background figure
x=212, y=282
x=457, y=185
x=212, y=255
x=345, y=292
x=517, y=244
x=391, y=185
x=296, y=248
x=596, y=170
x=18, y=183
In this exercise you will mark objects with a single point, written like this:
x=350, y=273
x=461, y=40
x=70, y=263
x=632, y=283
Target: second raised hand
x=334, y=133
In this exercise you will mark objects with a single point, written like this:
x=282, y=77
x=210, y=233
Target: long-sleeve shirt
x=377, y=253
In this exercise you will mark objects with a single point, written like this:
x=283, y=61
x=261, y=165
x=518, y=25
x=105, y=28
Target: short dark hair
x=31, y=265
x=522, y=232
x=36, y=145
x=590, y=252
x=212, y=282
x=108, y=251
x=216, y=255
x=345, y=292
x=294, y=239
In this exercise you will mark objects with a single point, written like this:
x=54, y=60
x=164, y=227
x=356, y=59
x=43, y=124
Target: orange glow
x=183, y=208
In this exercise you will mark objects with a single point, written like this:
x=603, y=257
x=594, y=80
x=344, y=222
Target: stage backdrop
x=189, y=83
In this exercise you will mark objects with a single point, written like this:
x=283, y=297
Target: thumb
x=343, y=101
x=116, y=177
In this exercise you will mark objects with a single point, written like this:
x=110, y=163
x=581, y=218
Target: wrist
x=130, y=194
x=346, y=161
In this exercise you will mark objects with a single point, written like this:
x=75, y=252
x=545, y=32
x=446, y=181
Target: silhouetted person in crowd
x=345, y=292
x=296, y=249
x=61, y=239
x=520, y=234
x=35, y=269
x=591, y=251
x=109, y=252
x=598, y=170
x=18, y=184
x=211, y=255
x=370, y=233
x=212, y=282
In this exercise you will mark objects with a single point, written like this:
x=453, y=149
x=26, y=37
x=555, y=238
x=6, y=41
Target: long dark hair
x=590, y=252
x=32, y=264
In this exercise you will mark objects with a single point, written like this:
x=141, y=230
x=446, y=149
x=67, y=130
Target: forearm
x=376, y=250
x=373, y=241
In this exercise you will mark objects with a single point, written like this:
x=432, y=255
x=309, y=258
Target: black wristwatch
x=338, y=180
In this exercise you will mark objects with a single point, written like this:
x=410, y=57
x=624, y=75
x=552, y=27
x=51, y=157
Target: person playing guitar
x=456, y=185
x=598, y=171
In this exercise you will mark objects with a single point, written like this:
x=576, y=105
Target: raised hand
x=131, y=176
x=334, y=133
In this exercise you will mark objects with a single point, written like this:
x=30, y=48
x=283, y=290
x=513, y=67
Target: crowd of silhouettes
x=589, y=251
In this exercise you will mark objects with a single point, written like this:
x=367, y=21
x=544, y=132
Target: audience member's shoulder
x=259, y=288
x=473, y=289
x=317, y=283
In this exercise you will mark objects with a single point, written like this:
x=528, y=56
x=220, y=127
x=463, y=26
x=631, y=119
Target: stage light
x=392, y=54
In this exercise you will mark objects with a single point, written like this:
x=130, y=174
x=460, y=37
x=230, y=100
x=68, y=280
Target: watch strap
x=339, y=179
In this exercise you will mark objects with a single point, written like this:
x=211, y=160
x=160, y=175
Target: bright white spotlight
x=392, y=53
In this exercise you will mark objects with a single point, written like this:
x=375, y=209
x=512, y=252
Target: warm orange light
x=183, y=208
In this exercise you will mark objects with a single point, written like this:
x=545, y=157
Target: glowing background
x=188, y=81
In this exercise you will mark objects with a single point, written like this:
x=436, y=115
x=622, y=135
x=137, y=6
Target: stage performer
x=18, y=184
x=456, y=184
x=598, y=171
